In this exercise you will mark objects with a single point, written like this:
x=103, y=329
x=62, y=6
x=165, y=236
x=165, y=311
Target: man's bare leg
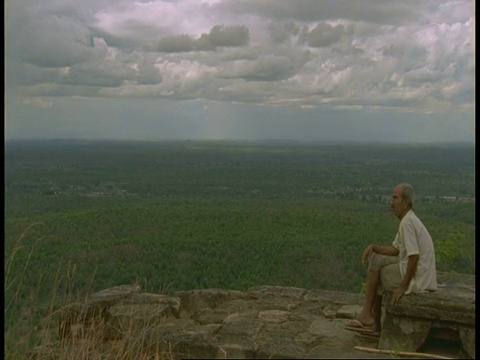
x=366, y=316
x=377, y=312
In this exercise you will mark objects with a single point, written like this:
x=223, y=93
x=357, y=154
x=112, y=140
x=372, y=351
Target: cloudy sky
x=328, y=70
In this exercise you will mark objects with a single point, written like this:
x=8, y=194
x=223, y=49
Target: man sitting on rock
x=406, y=266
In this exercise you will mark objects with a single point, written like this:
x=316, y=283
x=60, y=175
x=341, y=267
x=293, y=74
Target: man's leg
x=377, y=312
x=366, y=316
x=390, y=279
x=371, y=311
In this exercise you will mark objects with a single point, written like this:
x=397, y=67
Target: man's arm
x=411, y=268
x=383, y=250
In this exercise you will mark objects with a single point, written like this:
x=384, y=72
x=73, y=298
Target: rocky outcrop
x=262, y=322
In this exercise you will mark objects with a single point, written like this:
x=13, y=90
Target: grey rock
x=329, y=311
x=262, y=322
x=349, y=311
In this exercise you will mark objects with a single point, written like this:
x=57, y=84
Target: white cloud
x=37, y=102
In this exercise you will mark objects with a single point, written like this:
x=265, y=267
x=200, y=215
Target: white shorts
x=390, y=276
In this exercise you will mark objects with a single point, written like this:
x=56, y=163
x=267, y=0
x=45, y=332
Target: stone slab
x=407, y=324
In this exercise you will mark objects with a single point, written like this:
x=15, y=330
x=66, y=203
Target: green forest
x=81, y=216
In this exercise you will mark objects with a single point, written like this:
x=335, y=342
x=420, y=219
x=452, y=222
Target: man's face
x=398, y=204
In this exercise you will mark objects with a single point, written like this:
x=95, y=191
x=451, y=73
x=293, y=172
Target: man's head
x=402, y=199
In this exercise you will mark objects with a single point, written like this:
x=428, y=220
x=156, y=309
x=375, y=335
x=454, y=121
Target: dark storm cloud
x=219, y=36
x=116, y=41
x=178, y=43
x=325, y=34
x=284, y=31
x=381, y=12
x=266, y=68
x=104, y=73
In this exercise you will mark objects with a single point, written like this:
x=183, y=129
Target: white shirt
x=413, y=239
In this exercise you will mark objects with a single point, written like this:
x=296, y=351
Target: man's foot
x=361, y=329
x=360, y=324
